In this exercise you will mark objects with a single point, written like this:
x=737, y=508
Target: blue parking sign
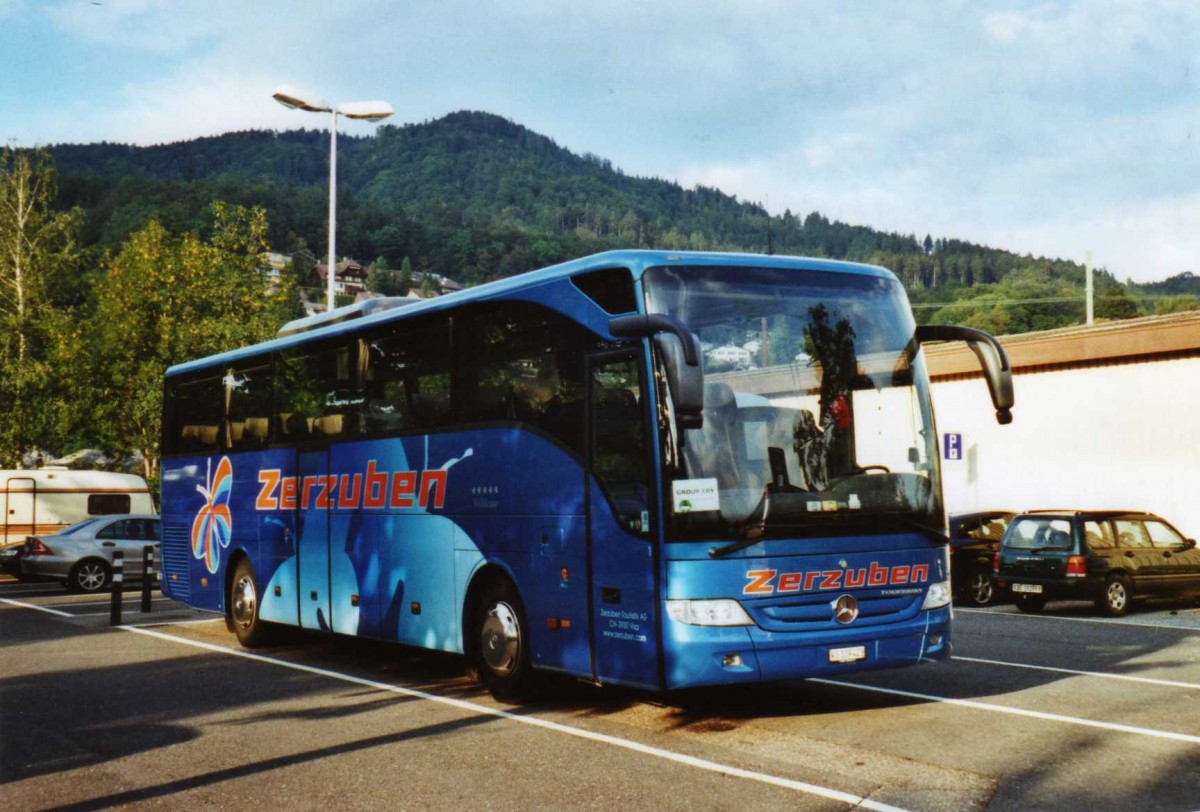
x=952, y=446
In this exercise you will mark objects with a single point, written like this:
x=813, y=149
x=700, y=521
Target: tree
x=406, y=277
x=1177, y=304
x=429, y=285
x=37, y=244
x=167, y=298
x=1114, y=302
x=380, y=279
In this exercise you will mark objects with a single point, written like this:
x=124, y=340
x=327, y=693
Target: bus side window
x=248, y=423
x=408, y=378
x=524, y=363
x=319, y=394
x=194, y=423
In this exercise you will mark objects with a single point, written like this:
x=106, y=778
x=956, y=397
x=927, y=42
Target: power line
x=1044, y=300
x=971, y=302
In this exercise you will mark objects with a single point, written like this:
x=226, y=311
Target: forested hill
x=475, y=196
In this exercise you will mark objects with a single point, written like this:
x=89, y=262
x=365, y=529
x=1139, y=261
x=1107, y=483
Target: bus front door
x=316, y=492
x=623, y=579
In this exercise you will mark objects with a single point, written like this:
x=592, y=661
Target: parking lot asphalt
x=1064, y=710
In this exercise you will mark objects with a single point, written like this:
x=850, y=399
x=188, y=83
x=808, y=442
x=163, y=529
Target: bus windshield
x=816, y=406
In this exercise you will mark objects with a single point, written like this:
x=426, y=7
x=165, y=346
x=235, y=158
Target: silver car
x=81, y=556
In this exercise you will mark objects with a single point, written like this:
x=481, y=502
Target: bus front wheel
x=251, y=630
x=501, y=649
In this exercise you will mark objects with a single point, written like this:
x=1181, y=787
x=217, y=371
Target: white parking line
x=987, y=706
x=1126, y=677
x=47, y=609
x=160, y=623
x=127, y=595
x=666, y=755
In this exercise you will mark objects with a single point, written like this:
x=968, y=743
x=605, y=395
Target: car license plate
x=850, y=654
x=1033, y=589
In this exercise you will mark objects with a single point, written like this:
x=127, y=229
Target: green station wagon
x=1110, y=557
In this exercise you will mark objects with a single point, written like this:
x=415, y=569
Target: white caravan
x=42, y=501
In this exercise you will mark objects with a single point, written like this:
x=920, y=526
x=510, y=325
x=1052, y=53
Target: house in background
x=349, y=277
x=730, y=354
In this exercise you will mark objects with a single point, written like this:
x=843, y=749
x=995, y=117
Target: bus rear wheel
x=251, y=630
x=501, y=643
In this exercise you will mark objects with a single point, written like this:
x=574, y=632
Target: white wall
x=1123, y=436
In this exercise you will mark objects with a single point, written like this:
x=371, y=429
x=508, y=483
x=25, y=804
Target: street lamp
x=296, y=99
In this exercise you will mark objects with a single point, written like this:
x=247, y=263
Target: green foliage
x=135, y=258
x=476, y=197
x=166, y=298
x=38, y=260
x=1176, y=304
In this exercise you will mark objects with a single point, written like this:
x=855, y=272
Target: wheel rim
x=501, y=639
x=1116, y=596
x=245, y=599
x=90, y=577
x=981, y=588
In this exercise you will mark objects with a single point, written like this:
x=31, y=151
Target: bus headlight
x=937, y=596
x=715, y=612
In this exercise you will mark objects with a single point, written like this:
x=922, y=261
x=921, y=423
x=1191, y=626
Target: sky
x=1061, y=129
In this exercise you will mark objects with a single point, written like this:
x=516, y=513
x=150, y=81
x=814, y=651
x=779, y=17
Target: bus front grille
x=812, y=612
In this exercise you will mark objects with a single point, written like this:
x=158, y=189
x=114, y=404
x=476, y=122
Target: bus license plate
x=851, y=654
x=1033, y=589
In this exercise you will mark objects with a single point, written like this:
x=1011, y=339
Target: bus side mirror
x=991, y=358
x=680, y=351
x=686, y=382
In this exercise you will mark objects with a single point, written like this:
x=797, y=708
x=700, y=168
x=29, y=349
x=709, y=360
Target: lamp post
x=296, y=99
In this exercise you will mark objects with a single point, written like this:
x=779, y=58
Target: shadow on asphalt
x=73, y=717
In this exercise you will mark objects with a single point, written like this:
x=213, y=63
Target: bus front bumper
x=708, y=655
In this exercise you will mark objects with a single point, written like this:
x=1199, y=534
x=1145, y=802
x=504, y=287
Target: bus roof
x=636, y=260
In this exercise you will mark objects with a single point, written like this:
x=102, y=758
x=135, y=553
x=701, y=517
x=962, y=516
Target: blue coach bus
x=652, y=469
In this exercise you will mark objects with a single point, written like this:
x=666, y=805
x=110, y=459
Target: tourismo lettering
x=770, y=582
x=370, y=490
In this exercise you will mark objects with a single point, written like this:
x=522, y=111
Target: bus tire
x=500, y=642
x=251, y=630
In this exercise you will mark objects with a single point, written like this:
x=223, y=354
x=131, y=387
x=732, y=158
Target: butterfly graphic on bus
x=213, y=525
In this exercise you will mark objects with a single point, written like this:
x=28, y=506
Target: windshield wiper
x=752, y=529
x=749, y=541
